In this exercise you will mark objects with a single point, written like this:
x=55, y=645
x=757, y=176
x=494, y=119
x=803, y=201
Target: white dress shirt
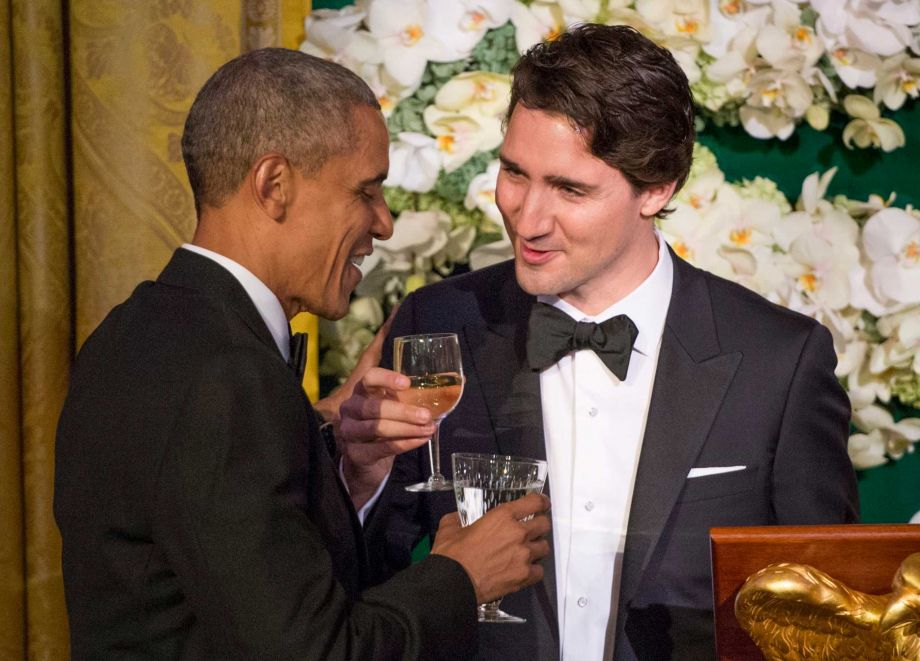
x=593, y=425
x=267, y=304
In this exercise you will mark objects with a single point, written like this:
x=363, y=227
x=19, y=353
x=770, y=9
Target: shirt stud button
x=589, y=506
x=582, y=602
x=592, y=411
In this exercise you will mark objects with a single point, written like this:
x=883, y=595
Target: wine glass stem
x=434, y=454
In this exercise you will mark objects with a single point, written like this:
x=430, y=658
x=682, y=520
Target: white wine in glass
x=432, y=363
x=484, y=481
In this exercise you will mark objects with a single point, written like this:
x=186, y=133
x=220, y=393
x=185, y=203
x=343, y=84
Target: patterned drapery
x=94, y=199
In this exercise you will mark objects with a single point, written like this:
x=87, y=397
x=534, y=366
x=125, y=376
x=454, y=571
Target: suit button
x=582, y=602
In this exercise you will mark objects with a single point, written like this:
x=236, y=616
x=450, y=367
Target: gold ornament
x=795, y=612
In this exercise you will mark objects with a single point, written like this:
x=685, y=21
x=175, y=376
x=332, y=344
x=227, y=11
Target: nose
x=531, y=216
x=382, y=227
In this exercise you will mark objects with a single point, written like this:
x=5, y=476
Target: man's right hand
x=374, y=427
x=501, y=552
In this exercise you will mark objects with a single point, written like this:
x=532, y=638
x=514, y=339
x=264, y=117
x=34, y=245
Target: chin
x=535, y=281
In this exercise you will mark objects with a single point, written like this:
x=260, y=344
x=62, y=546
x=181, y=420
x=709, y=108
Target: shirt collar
x=647, y=304
x=267, y=304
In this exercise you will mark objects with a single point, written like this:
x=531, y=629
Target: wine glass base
x=499, y=617
x=431, y=485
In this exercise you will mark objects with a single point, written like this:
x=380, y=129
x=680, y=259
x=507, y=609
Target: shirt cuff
x=369, y=505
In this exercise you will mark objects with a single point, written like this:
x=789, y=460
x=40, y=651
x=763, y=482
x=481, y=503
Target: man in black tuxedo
x=201, y=513
x=666, y=400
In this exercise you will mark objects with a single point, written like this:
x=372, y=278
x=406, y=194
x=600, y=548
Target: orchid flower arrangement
x=441, y=73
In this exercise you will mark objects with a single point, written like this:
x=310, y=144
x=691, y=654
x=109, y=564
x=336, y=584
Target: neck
x=229, y=233
x=629, y=270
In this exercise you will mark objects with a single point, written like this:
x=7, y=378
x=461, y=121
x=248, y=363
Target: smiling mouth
x=535, y=257
x=357, y=260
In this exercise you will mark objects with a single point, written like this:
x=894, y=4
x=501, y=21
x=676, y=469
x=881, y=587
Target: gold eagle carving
x=795, y=612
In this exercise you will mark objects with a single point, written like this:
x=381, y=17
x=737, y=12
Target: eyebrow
x=556, y=180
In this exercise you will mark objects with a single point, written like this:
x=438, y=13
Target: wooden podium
x=865, y=557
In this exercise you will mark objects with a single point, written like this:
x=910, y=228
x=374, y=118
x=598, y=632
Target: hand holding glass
x=432, y=363
x=483, y=481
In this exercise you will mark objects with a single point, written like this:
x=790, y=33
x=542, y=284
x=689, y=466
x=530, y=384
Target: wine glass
x=432, y=363
x=482, y=481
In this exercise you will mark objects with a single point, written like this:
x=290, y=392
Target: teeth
x=357, y=260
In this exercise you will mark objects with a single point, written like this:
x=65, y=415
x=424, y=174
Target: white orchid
x=583, y=11
x=822, y=265
x=481, y=193
x=466, y=115
x=687, y=52
x=415, y=162
x=898, y=436
x=477, y=93
x=459, y=136
x=786, y=43
x=692, y=236
x=874, y=26
x=702, y=186
x=902, y=330
x=739, y=59
x=869, y=128
x=743, y=223
x=459, y=25
x=867, y=450
x=329, y=34
x=856, y=68
x=777, y=98
x=898, y=78
x=402, y=29
x=678, y=18
x=851, y=357
x=891, y=239
x=422, y=241
x=541, y=21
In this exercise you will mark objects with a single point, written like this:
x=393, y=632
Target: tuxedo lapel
x=511, y=392
x=691, y=380
x=190, y=270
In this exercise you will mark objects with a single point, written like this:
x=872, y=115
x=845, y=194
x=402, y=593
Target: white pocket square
x=713, y=470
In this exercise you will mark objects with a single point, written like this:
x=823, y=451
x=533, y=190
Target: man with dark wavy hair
x=201, y=514
x=666, y=400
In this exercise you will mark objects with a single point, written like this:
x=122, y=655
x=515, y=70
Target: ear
x=656, y=197
x=271, y=181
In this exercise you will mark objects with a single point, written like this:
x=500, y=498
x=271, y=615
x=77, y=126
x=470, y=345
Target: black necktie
x=298, y=359
x=552, y=334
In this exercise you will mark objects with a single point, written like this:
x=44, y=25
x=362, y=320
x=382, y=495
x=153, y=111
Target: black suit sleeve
x=813, y=477
x=232, y=515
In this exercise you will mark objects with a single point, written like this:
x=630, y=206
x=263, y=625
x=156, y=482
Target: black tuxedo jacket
x=740, y=382
x=201, y=515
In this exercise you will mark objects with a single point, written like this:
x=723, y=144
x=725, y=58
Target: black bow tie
x=552, y=334
x=298, y=359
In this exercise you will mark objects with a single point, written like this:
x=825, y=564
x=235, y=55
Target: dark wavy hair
x=625, y=93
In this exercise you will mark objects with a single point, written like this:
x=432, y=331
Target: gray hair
x=268, y=100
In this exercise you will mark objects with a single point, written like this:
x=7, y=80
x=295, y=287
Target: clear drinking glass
x=432, y=363
x=482, y=481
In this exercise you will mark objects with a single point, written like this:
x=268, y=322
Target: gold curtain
x=94, y=200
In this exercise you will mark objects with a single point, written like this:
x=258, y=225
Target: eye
x=569, y=191
x=369, y=194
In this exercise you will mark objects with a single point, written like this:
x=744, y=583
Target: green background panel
x=891, y=493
